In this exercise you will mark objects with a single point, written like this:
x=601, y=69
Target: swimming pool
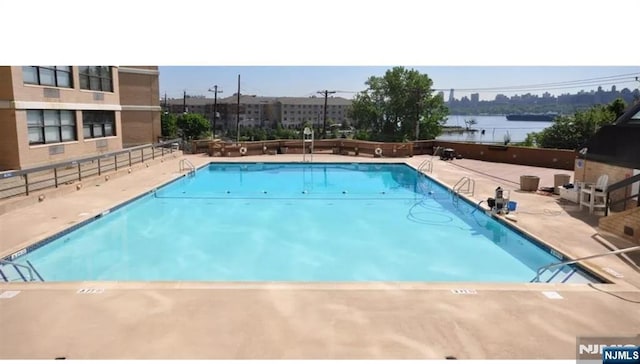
x=338, y=222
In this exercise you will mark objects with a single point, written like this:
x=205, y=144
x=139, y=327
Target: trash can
x=560, y=180
x=529, y=183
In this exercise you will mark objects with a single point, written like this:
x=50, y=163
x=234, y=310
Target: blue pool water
x=295, y=222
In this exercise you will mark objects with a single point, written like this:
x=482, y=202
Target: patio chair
x=594, y=195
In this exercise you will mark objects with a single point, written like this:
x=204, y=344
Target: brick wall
x=617, y=223
x=538, y=157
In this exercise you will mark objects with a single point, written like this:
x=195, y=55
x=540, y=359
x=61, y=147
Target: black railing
x=26, y=181
x=618, y=185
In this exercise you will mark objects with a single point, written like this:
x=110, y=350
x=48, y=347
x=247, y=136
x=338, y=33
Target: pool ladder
x=465, y=182
x=427, y=164
x=5, y=276
x=185, y=164
x=573, y=261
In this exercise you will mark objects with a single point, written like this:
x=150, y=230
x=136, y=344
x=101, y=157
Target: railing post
x=129, y=158
x=606, y=205
x=153, y=152
x=98, y=166
x=26, y=184
x=55, y=177
x=79, y=172
x=142, y=155
x=115, y=161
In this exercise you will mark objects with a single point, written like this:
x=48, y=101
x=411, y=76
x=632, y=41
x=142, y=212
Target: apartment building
x=296, y=111
x=292, y=112
x=51, y=114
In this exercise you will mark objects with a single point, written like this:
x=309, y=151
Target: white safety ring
x=378, y=151
x=243, y=150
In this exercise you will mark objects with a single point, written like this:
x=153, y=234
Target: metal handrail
x=553, y=265
x=74, y=162
x=3, y=261
x=621, y=184
x=29, y=185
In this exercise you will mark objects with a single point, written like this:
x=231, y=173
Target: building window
x=98, y=124
x=96, y=78
x=51, y=126
x=59, y=76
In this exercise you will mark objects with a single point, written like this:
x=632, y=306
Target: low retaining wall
x=335, y=146
x=538, y=157
x=548, y=158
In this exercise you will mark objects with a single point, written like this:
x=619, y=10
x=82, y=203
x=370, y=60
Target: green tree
x=573, y=131
x=392, y=104
x=193, y=126
x=618, y=107
x=169, y=125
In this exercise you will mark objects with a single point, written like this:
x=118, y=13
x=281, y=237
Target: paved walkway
x=187, y=320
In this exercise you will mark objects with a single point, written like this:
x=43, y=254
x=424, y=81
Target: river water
x=495, y=127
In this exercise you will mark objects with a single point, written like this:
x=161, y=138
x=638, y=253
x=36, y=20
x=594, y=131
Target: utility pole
x=184, y=102
x=238, y=113
x=215, y=109
x=324, y=123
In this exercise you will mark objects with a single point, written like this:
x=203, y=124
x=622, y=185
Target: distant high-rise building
x=613, y=88
x=475, y=97
x=451, y=96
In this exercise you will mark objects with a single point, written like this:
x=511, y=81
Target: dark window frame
x=56, y=76
x=97, y=120
x=96, y=78
x=42, y=128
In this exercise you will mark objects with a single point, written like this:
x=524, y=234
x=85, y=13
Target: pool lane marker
x=552, y=295
x=464, y=291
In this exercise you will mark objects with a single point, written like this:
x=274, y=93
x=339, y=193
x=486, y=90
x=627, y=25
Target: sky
x=296, y=48
x=305, y=81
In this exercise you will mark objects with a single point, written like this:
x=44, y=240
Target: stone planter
x=529, y=183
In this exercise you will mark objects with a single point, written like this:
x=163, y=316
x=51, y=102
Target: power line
x=551, y=88
x=571, y=84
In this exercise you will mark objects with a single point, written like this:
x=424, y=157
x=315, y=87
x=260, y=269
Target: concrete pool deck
x=185, y=320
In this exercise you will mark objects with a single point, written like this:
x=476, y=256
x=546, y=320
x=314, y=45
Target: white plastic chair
x=594, y=195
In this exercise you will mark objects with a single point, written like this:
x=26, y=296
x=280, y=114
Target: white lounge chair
x=594, y=195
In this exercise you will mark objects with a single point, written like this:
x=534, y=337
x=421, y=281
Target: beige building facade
x=290, y=112
x=52, y=114
x=140, y=101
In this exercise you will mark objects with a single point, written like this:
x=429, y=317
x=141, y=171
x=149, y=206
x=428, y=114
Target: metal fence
x=27, y=181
